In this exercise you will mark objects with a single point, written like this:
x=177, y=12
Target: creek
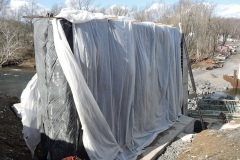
x=14, y=79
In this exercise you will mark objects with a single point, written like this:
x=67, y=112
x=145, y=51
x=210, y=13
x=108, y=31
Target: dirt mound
x=204, y=65
x=220, y=142
x=213, y=144
x=12, y=145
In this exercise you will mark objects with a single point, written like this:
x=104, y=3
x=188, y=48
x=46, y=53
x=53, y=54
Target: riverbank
x=14, y=79
x=24, y=57
x=12, y=145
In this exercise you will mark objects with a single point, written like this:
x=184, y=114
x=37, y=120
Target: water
x=13, y=80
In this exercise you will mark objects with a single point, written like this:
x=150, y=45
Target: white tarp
x=28, y=111
x=126, y=82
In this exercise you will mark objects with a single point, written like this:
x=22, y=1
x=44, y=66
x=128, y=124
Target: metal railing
x=222, y=105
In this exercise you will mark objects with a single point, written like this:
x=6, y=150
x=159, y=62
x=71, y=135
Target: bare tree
x=3, y=8
x=156, y=12
x=195, y=18
x=3, y=3
x=32, y=9
x=82, y=5
x=227, y=27
x=201, y=28
x=118, y=11
x=138, y=14
x=236, y=28
x=56, y=9
x=9, y=45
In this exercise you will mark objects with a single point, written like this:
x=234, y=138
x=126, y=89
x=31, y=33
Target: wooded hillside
x=203, y=30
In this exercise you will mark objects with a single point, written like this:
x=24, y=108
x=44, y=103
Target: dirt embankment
x=209, y=81
x=213, y=145
x=12, y=145
x=219, y=142
x=24, y=57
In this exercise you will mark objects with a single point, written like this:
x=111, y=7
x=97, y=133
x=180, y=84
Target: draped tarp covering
x=122, y=79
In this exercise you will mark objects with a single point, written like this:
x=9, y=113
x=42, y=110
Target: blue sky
x=130, y=3
x=225, y=1
x=143, y=3
x=224, y=8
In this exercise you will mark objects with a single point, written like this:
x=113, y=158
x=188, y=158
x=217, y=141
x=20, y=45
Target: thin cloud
x=18, y=3
x=227, y=11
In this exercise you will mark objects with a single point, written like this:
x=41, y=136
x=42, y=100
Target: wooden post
x=238, y=72
x=184, y=76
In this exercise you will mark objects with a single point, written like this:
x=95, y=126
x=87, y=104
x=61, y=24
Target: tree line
x=200, y=26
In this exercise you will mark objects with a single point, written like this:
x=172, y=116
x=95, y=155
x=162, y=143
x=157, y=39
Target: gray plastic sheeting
x=123, y=82
x=134, y=74
x=60, y=128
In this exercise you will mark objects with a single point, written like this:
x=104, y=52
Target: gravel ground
x=209, y=81
x=173, y=151
x=213, y=145
x=219, y=142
